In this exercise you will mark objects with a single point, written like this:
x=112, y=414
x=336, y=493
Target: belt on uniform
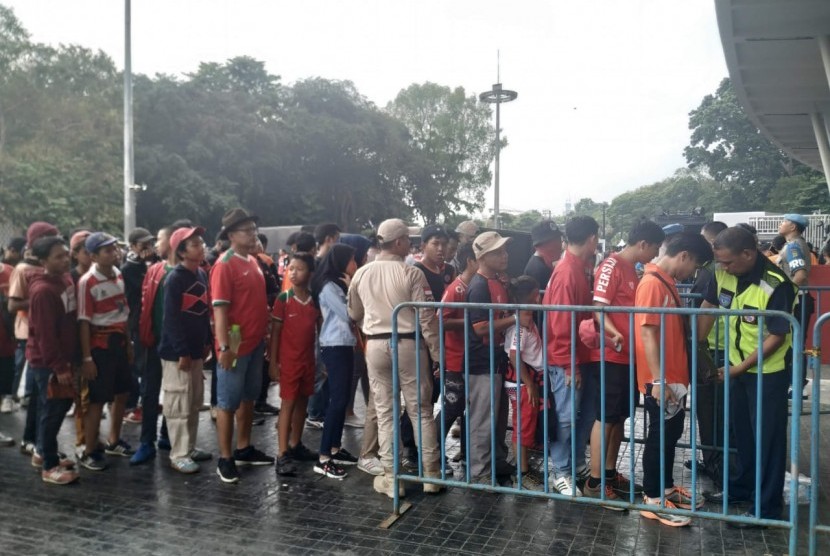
x=401, y=336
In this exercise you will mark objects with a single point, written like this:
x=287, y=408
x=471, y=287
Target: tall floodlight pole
x=129, y=170
x=497, y=96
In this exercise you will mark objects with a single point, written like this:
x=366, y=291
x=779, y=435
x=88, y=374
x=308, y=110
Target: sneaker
x=6, y=440
x=343, y=457
x=383, y=484
x=531, y=480
x=622, y=485
x=314, y=423
x=251, y=456
x=666, y=519
x=145, y=453
x=59, y=475
x=408, y=466
x=265, y=408
x=371, y=466
x=226, y=469
x=164, y=444
x=329, y=469
x=120, y=448
x=353, y=421
x=94, y=461
x=596, y=492
x=199, y=455
x=6, y=404
x=565, y=486
x=286, y=465
x=134, y=416
x=301, y=453
x=682, y=498
x=27, y=448
x=214, y=412
x=63, y=461
x=184, y=465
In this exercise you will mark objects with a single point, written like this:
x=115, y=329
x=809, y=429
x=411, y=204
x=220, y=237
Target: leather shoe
x=717, y=497
x=734, y=525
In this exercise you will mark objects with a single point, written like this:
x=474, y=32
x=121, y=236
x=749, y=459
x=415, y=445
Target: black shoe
x=733, y=525
x=301, y=453
x=226, y=469
x=717, y=497
x=251, y=456
x=286, y=465
x=343, y=457
x=264, y=408
x=329, y=469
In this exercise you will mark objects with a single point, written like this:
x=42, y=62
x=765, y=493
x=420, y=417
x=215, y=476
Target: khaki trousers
x=184, y=392
x=370, y=446
x=379, y=364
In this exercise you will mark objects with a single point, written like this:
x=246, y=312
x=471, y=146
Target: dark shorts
x=114, y=373
x=617, y=391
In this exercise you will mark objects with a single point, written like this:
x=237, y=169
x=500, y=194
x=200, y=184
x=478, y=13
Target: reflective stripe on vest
x=743, y=330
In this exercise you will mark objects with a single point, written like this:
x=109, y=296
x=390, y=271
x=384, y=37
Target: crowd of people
x=95, y=327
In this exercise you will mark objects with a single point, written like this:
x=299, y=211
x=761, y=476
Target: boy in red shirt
x=295, y=321
x=684, y=252
x=569, y=285
x=454, y=400
x=105, y=363
x=615, y=284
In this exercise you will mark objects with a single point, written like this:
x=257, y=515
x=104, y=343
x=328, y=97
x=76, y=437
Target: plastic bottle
x=235, y=340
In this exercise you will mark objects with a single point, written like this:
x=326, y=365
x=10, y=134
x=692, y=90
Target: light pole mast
x=129, y=170
x=497, y=96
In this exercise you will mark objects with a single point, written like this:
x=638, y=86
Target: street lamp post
x=129, y=170
x=497, y=96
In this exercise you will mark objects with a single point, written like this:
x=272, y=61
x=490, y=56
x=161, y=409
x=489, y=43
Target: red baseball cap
x=183, y=234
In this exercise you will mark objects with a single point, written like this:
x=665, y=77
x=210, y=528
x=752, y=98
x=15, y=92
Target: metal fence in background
x=788, y=522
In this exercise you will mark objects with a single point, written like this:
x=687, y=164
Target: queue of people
x=86, y=324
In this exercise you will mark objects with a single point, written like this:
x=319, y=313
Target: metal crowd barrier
x=815, y=433
x=789, y=523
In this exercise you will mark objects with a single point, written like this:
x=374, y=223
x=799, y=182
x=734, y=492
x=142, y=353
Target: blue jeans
x=30, y=431
x=318, y=403
x=560, y=449
x=339, y=361
x=137, y=368
x=151, y=385
x=241, y=383
x=19, y=364
x=51, y=413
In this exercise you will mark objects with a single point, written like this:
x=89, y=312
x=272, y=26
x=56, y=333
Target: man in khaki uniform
x=375, y=291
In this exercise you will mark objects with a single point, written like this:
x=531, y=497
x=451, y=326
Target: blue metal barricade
x=490, y=482
x=815, y=434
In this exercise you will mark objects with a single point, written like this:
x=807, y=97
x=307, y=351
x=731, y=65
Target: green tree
x=727, y=145
x=457, y=140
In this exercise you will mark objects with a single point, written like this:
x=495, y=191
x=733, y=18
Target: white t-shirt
x=532, y=350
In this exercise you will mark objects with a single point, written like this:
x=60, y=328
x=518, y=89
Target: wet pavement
x=151, y=509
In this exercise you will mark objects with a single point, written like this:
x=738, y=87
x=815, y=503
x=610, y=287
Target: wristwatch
x=223, y=348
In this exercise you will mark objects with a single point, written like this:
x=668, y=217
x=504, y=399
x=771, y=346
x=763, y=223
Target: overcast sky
x=605, y=86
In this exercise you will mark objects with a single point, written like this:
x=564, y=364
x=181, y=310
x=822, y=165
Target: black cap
x=432, y=230
x=140, y=235
x=545, y=231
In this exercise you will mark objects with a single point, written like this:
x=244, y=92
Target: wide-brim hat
x=488, y=242
x=234, y=218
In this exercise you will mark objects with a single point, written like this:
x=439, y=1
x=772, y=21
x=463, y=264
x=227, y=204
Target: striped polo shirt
x=102, y=302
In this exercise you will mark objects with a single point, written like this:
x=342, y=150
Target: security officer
x=795, y=261
x=376, y=289
x=746, y=280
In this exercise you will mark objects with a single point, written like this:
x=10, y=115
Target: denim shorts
x=243, y=382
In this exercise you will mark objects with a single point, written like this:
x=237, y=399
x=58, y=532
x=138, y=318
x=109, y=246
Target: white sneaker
x=6, y=405
x=371, y=466
x=565, y=486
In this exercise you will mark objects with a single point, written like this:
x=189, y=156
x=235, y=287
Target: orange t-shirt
x=653, y=293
